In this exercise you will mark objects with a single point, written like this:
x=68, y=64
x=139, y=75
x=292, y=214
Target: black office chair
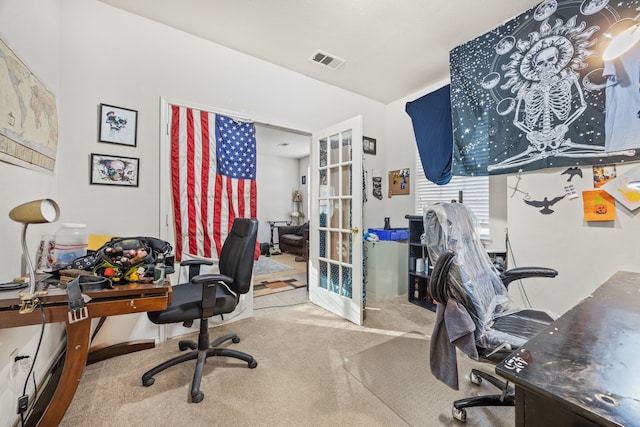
x=209, y=295
x=464, y=280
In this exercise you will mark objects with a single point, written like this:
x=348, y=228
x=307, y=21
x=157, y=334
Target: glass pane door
x=335, y=264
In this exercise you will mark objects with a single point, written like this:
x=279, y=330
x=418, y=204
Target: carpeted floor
x=314, y=369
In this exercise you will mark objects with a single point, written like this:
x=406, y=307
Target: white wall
x=277, y=180
x=585, y=253
x=31, y=28
x=303, y=170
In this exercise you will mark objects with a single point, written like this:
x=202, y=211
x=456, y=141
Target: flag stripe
x=191, y=182
x=204, y=177
x=175, y=173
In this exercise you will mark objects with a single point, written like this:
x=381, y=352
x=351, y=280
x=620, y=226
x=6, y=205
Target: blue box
x=392, y=234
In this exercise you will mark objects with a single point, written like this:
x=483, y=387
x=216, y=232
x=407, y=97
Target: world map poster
x=28, y=116
x=540, y=92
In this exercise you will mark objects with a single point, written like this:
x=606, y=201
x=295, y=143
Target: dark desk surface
x=589, y=359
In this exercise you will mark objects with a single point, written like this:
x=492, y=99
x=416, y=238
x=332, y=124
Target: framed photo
x=368, y=145
x=118, y=125
x=114, y=170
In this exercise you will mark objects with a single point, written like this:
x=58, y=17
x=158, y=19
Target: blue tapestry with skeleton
x=535, y=92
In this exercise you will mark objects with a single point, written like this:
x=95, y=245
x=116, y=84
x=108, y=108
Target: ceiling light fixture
x=623, y=42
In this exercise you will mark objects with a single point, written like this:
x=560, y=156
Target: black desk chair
x=208, y=295
x=474, y=311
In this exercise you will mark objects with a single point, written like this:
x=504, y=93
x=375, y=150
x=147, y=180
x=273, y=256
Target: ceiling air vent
x=328, y=60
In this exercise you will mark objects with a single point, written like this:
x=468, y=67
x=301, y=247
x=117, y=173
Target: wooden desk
x=583, y=368
x=124, y=299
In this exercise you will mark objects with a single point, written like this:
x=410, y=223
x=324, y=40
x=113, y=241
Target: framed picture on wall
x=368, y=145
x=118, y=125
x=114, y=170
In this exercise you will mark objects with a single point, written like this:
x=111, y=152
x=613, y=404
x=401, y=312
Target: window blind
x=475, y=191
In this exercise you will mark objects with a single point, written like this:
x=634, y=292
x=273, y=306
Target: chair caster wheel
x=148, y=381
x=183, y=345
x=198, y=397
x=235, y=339
x=475, y=379
x=459, y=414
x=253, y=364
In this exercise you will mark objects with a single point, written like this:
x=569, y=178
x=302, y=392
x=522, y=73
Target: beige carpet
x=306, y=359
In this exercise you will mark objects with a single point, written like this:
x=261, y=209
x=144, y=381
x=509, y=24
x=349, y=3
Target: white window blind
x=475, y=193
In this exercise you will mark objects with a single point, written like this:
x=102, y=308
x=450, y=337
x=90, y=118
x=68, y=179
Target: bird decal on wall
x=572, y=172
x=545, y=204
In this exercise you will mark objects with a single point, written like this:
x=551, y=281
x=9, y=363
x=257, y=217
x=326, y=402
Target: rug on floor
x=266, y=265
x=397, y=371
x=273, y=286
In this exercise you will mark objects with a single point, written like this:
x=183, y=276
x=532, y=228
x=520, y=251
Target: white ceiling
x=392, y=48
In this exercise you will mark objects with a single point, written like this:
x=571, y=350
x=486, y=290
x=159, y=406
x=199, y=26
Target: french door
x=335, y=260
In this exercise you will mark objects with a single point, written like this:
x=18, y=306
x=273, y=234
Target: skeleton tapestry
x=535, y=92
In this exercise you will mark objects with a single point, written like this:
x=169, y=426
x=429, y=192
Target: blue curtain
x=431, y=117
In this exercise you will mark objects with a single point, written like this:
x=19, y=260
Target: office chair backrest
x=236, y=257
x=473, y=280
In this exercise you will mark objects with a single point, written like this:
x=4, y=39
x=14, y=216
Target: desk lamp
x=34, y=212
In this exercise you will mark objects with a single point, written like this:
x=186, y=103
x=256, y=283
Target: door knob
x=354, y=230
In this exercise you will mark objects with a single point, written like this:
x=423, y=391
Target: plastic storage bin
x=391, y=234
x=71, y=243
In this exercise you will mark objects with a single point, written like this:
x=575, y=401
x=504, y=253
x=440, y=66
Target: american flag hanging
x=213, y=174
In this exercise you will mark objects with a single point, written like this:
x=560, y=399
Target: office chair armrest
x=525, y=272
x=209, y=283
x=194, y=266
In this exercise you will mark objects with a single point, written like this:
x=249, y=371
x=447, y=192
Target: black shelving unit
x=418, y=282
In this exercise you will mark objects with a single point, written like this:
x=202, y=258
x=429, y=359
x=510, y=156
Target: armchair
x=474, y=312
x=293, y=238
x=208, y=295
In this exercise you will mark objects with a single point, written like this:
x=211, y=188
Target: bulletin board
x=399, y=182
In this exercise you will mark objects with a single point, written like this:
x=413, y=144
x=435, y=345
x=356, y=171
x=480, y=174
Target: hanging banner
x=536, y=92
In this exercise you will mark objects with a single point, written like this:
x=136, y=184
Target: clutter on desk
x=70, y=243
x=132, y=258
x=121, y=260
x=44, y=256
x=10, y=286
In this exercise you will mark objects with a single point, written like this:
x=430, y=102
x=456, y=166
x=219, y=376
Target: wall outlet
x=24, y=364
